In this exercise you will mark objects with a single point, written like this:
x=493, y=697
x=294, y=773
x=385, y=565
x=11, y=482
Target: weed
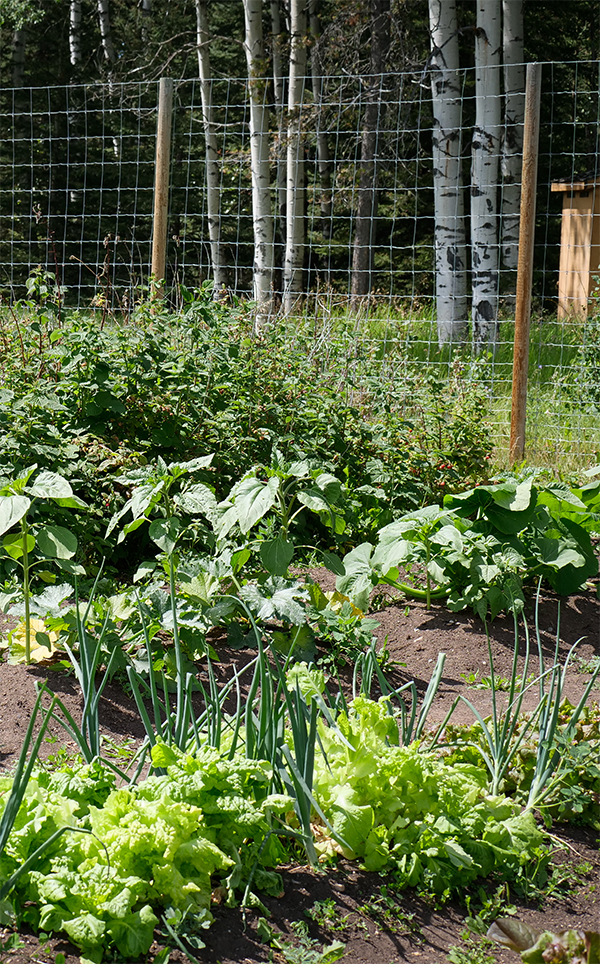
x=344, y=634
x=471, y=952
x=483, y=908
x=123, y=750
x=487, y=683
x=61, y=758
x=326, y=914
x=12, y=943
x=590, y=665
x=306, y=951
x=387, y=912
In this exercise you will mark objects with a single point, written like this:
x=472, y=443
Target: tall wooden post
x=161, y=185
x=525, y=264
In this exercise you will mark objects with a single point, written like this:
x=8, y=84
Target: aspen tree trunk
x=75, y=32
x=295, y=223
x=18, y=58
x=364, y=232
x=213, y=174
x=106, y=32
x=450, y=244
x=484, y=173
x=262, y=215
x=323, y=156
x=146, y=14
x=280, y=151
x=514, y=116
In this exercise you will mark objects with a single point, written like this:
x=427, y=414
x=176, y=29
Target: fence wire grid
x=77, y=169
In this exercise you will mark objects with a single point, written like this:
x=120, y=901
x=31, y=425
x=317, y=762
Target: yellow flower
x=39, y=650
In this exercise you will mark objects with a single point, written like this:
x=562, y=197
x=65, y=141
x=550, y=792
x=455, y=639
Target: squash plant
x=481, y=547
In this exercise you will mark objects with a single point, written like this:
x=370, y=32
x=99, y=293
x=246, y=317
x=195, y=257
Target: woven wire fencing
x=77, y=171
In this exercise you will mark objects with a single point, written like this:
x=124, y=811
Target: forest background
x=375, y=222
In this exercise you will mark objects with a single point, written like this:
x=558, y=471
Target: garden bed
x=345, y=903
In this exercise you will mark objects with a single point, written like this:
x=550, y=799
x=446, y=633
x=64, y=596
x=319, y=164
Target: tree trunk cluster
x=496, y=149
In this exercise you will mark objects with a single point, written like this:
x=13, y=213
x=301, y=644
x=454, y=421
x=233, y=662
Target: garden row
x=281, y=760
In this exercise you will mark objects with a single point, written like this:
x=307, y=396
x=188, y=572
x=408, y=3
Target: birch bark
x=514, y=116
x=108, y=47
x=450, y=242
x=18, y=57
x=295, y=191
x=262, y=215
x=146, y=15
x=484, y=173
x=75, y=32
x=276, y=33
x=213, y=174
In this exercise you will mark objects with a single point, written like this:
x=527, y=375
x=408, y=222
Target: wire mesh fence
x=76, y=193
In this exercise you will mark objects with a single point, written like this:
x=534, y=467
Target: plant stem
x=428, y=557
x=180, y=711
x=24, y=532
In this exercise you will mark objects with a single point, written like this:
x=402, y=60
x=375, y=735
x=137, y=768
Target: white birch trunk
x=146, y=14
x=450, y=244
x=514, y=117
x=213, y=174
x=75, y=32
x=262, y=215
x=323, y=157
x=485, y=171
x=18, y=58
x=106, y=32
x=280, y=140
x=294, y=220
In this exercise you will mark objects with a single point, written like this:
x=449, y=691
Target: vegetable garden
x=240, y=541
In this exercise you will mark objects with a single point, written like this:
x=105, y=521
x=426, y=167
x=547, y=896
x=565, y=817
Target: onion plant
x=505, y=732
x=18, y=789
x=413, y=718
x=550, y=735
x=24, y=769
x=86, y=734
x=206, y=729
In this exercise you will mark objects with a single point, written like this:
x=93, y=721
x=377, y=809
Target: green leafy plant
x=341, y=629
x=471, y=952
x=91, y=401
x=50, y=543
x=306, y=950
x=387, y=912
x=284, y=490
x=326, y=914
x=368, y=789
x=480, y=548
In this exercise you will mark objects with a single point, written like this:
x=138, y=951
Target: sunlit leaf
x=12, y=510
x=253, y=500
x=57, y=542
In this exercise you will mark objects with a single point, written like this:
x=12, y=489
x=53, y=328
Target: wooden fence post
x=525, y=263
x=161, y=185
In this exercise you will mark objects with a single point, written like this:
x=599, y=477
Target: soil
x=409, y=928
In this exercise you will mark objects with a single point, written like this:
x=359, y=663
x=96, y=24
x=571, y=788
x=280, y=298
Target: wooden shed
x=579, y=244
